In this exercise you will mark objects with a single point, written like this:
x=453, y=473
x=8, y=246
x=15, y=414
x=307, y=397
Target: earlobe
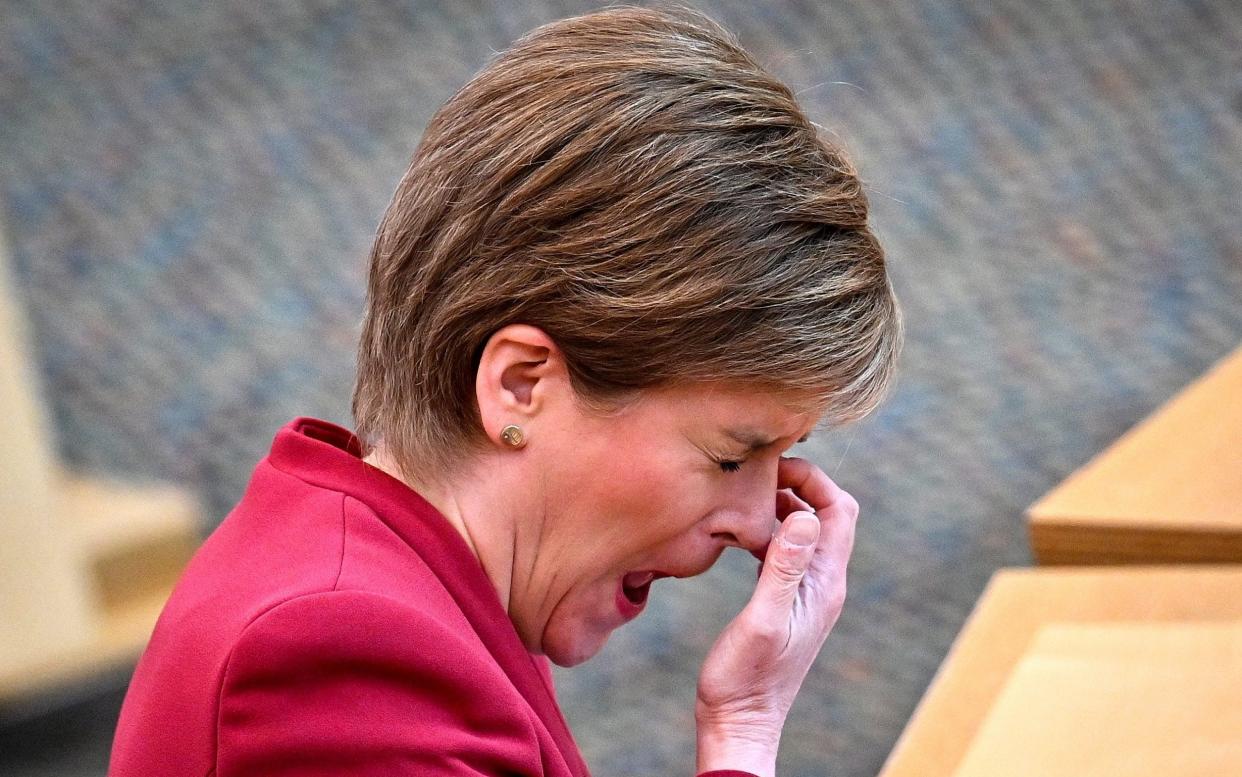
x=513, y=436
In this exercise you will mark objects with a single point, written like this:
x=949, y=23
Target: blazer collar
x=327, y=455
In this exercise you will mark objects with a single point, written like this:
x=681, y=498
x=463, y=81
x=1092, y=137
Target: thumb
x=788, y=557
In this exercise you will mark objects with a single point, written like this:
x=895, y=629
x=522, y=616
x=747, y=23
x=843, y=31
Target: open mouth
x=637, y=585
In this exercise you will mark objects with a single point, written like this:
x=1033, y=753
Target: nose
x=749, y=518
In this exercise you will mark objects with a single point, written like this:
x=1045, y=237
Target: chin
x=572, y=649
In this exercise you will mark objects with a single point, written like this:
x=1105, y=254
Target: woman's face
x=657, y=489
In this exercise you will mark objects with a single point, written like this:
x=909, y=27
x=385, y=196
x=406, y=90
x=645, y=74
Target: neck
x=475, y=506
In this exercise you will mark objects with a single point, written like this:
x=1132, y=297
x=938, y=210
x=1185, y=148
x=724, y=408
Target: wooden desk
x=131, y=543
x=1133, y=699
x=85, y=563
x=1013, y=607
x=1170, y=490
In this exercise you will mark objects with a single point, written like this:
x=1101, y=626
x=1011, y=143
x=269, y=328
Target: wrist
x=737, y=748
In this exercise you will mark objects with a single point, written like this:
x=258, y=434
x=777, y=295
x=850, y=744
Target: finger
x=789, y=555
x=809, y=483
x=838, y=511
x=825, y=578
x=788, y=502
x=835, y=547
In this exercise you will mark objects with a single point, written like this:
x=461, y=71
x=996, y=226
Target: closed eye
x=729, y=465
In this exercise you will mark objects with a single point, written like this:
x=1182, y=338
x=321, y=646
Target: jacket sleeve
x=355, y=683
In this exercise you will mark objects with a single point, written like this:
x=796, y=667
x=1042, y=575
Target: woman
x=621, y=277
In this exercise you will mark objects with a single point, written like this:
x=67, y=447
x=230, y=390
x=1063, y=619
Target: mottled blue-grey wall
x=189, y=191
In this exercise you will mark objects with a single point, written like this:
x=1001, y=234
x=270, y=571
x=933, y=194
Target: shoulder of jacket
x=372, y=615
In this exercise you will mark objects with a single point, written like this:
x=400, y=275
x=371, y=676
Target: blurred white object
x=85, y=565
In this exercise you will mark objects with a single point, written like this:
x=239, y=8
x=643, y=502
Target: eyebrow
x=754, y=440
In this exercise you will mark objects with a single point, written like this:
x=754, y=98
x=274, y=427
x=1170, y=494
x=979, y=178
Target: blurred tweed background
x=190, y=189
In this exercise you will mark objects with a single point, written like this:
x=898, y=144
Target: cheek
x=616, y=494
x=655, y=502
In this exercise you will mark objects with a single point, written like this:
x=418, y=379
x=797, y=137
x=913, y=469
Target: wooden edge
x=964, y=686
x=946, y=665
x=1087, y=544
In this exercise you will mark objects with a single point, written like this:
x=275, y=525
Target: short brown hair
x=634, y=184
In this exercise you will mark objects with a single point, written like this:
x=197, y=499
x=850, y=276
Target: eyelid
x=723, y=459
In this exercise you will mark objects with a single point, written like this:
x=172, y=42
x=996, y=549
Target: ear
x=519, y=372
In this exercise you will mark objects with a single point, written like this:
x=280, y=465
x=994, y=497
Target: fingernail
x=801, y=529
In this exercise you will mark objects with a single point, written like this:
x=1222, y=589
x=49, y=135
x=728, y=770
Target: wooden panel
x=1096, y=545
x=45, y=597
x=123, y=632
x=1013, y=607
x=1139, y=700
x=85, y=565
x=1169, y=490
x=136, y=539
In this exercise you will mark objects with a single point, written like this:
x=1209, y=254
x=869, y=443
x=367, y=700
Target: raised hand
x=753, y=672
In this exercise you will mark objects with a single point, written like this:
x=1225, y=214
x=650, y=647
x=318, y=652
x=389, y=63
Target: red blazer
x=336, y=623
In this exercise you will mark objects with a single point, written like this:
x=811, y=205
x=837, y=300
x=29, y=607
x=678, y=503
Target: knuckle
x=767, y=630
x=793, y=469
x=785, y=571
